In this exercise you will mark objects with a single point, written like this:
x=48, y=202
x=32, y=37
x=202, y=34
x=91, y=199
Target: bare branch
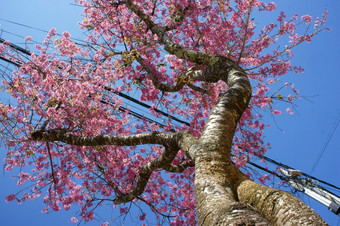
x=51, y=163
x=129, y=140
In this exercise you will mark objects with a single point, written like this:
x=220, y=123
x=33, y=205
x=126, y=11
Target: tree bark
x=279, y=207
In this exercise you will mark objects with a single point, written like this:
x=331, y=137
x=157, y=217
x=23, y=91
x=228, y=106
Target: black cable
x=16, y=47
x=135, y=114
x=329, y=137
x=304, y=174
x=268, y=171
x=18, y=64
x=145, y=105
x=109, y=89
x=34, y=28
x=23, y=25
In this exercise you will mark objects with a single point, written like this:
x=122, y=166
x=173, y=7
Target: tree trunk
x=224, y=195
x=216, y=200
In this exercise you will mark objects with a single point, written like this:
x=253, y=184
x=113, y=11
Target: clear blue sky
x=305, y=132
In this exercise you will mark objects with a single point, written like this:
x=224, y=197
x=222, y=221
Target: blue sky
x=305, y=132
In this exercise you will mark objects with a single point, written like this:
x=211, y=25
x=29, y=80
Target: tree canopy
x=67, y=118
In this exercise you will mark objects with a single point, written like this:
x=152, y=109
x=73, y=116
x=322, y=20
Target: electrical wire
x=34, y=28
x=329, y=137
x=304, y=174
x=139, y=116
x=16, y=47
x=146, y=106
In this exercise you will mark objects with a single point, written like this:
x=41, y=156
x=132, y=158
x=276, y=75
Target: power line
x=139, y=116
x=329, y=137
x=23, y=25
x=304, y=174
x=135, y=114
x=16, y=47
x=18, y=64
x=24, y=51
x=142, y=117
x=146, y=106
x=34, y=28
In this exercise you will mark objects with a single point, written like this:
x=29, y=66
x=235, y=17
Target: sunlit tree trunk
x=224, y=195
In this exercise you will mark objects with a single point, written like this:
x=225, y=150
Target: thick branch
x=278, y=207
x=170, y=46
x=183, y=79
x=222, y=121
x=171, y=141
x=187, y=142
x=182, y=141
x=178, y=168
x=163, y=161
x=129, y=140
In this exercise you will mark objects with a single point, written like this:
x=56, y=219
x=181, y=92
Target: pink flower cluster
x=62, y=85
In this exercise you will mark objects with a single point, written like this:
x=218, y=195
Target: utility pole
x=312, y=189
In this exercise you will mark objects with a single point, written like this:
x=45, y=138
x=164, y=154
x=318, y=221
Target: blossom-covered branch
x=163, y=161
x=163, y=87
x=170, y=46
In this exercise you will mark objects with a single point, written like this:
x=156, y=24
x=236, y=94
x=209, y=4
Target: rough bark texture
x=279, y=207
x=216, y=201
x=224, y=195
x=215, y=175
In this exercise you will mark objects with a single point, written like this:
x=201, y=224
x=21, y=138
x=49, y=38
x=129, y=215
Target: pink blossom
x=290, y=97
x=74, y=220
x=270, y=81
x=276, y=112
x=123, y=210
x=66, y=35
x=289, y=111
x=142, y=217
x=308, y=38
x=53, y=32
x=306, y=19
x=96, y=57
x=10, y=198
x=281, y=17
x=56, y=207
x=28, y=38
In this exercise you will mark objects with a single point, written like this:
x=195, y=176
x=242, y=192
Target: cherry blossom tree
x=208, y=62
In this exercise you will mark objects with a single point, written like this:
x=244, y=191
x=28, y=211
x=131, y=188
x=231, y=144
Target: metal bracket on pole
x=312, y=189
